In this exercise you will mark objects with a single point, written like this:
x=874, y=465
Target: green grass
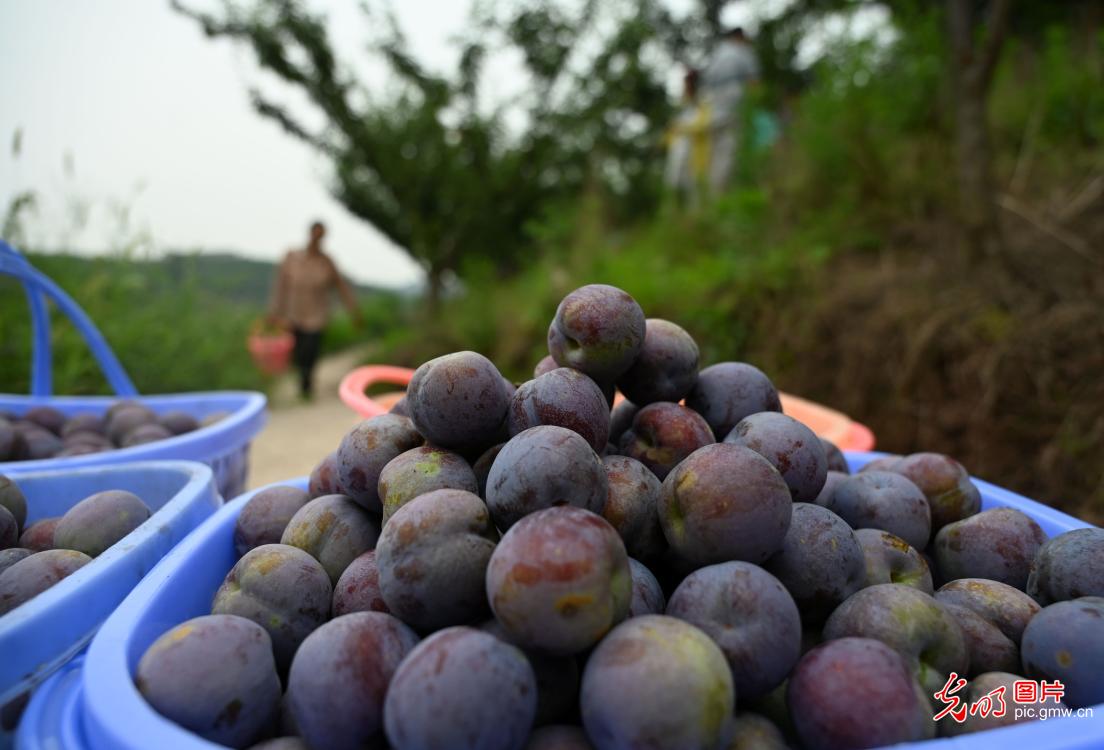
x=176, y=325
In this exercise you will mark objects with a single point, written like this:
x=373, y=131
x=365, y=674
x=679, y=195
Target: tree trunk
x=972, y=66
x=434, y=287
x=976, y=195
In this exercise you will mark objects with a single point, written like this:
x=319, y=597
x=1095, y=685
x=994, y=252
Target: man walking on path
x=732, y=69
x=301, y=301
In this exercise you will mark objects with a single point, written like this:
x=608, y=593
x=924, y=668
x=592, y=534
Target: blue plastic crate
x=46, y=632
x=95, y=706
x=224, y=446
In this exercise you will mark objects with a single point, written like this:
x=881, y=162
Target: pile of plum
x=493, y=568
x=44, y=432
x=34, y=558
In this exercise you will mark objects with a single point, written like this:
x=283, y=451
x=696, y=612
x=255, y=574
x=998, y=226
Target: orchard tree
x=428, y=163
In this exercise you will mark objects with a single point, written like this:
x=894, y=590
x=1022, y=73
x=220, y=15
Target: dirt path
x=299, y=435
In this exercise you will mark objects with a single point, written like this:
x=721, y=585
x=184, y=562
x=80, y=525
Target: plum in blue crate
x=235, y=704
x=225, y=424
x=88, y=529
x=482, y=606
x=36, y=573
x=52, y=600
x=44, y=432
x=157, y=605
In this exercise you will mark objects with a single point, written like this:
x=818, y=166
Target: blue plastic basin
x=43, y=634
x=224, y=445
x=101, y=697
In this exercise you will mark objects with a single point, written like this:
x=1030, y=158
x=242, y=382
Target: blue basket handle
x=38, y=286
x=42, y=374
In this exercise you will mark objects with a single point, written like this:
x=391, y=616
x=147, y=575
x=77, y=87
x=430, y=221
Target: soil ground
x=299, y=434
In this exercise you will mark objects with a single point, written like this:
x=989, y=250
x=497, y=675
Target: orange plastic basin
x=271, y=354
x=828, y=423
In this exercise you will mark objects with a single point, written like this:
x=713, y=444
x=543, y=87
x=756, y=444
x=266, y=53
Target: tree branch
x=212, y=26
x=1065, y=237
x=290, y=125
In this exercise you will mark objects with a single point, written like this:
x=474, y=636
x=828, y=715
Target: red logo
x=993, y=703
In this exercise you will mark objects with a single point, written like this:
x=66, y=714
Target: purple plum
x=334, y=530
x=266, y=515
x=890, y=559
x=831, y=481
x=885, y=501
x=324, y=478
x=621, y=419
x=563, y=397
x=421, y=470
x=343, y=670
x=9, y=529
x=998, y=544
x=1068, y=566
x=12, y=555
x=1007, y=608
x=598, y=330
x=282, y=589
x=46, y=417
x=631, y=506
x=557, y=678
x=666, y=368
x=432, y=557
x=559, y=580
x=547, y=364
x=663, y=434
x=99, y=521
x=751, y=617
x=751, y=731
x=458, y=401
x=820, y=563
x=34, y=574
x=725, y=502
x=179, y=422
x=482, y=467
x=790, y=446
x=542, y=467
x=856, y=693
x=464, y=684
x=366, y=449
x=911, y=622
x=944, y=482
x=184, y=677
x=1065, y=642
x=647, y=595
x=39, y=536
x=729, y=391
x=11, y=497
x=657, y=681
x=358, y=588
x=836, y=460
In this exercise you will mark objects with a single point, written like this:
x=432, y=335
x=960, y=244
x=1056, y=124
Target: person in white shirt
x=732, y=69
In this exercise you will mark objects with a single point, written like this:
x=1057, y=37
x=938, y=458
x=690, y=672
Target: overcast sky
x=156, y=117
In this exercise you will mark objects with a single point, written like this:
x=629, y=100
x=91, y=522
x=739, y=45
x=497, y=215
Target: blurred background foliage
x=839, y=262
